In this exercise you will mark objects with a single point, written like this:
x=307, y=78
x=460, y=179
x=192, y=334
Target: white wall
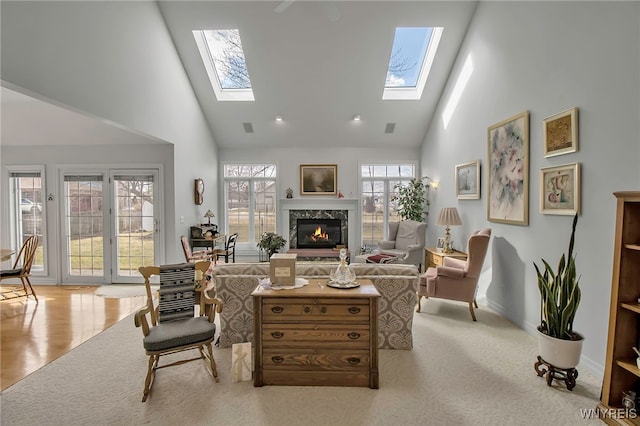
x=546, y=57
x=116, y=61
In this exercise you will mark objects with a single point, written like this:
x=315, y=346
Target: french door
x=111, y=224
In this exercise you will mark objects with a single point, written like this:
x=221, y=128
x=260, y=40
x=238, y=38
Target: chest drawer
x=311, y=359
x=434, y=259
x=316, y=336
x=318, y=310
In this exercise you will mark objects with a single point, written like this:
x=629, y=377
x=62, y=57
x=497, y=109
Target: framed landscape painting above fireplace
x=318, y=179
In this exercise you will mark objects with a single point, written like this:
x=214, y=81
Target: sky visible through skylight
x=225, y=47
x=407, y=56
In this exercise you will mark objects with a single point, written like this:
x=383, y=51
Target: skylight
x=412, y=54
x=224, y=60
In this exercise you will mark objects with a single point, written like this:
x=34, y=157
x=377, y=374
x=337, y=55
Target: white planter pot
x=560, y=353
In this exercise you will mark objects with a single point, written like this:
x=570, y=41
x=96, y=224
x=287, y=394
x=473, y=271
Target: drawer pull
x=277, y=359
x=277, y=334
x=307, y=310
x=277, y=309
x=353, y=335
x=354, y=361
x=323, y=310
x=354, y=310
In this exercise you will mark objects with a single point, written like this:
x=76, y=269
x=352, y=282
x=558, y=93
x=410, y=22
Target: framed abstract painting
x=561, y=133
x=508, y=170
x=560, y=189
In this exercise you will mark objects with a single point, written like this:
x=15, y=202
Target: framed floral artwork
x=468, y=180
x=508, y=170
x=318, y=179
x=561, y=133
x=560, y=189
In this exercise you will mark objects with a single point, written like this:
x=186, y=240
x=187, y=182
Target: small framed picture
x=468, y=181
x=440, y=243
x=560, y=189
x=561, y=133
x=318, y=179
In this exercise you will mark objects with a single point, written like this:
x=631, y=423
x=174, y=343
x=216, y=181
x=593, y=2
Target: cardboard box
x=282, y=268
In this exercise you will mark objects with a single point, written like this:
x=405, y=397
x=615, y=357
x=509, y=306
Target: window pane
x=238, y=209
x=225, y=47
x=83, y=230
x=28, y=209
x=407, y=56
x=378, y=206
x=264, y=219
x=372, y=213
x=134, y=207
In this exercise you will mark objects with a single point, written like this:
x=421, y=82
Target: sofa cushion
x=406, y=235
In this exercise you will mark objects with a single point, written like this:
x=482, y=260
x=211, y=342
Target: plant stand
x=569, y=375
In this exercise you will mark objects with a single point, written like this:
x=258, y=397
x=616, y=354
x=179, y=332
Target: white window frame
x=252, y=238
x=387, y=192
x=10, y=235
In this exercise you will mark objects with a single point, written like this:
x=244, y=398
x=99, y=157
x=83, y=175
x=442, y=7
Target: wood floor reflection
x=34, y=334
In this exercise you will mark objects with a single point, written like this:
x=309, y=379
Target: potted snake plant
x=558, y=343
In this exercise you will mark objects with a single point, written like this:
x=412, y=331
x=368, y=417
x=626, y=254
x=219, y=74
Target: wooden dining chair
x=22, y=269
x=229, y=249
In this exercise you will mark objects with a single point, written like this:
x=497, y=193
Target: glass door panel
x=135, y=223
x=84, y=228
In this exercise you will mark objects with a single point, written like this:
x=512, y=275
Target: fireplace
x=318, y=233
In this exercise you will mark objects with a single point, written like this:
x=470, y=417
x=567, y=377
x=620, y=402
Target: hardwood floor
x=34, y=334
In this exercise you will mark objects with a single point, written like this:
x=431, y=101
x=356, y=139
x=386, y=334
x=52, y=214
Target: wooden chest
x=316, y=335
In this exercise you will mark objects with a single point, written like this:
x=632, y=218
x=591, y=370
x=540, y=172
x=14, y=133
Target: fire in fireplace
x=318, y=233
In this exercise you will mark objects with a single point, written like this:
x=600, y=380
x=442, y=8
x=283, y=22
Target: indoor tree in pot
x=412, y=199
x=559, y=345
x=271, y=242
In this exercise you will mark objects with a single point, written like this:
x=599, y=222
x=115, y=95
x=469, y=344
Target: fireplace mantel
x=312, y=203
x=319, y=204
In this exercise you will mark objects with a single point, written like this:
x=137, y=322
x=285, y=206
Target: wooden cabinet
x=621, y=372
x=316, y=335
x=433, y=258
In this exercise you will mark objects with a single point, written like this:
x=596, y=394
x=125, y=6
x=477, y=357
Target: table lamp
x=448, y=217
x=209, y=214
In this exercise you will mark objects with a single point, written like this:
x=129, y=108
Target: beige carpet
x=459, y=372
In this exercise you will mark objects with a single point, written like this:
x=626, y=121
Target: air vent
x=248, y=127
x=390, y=127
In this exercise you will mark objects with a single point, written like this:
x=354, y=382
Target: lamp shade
x=209, y=214
x=448, y=216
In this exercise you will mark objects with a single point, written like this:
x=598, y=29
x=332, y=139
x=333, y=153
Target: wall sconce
x=435, y=184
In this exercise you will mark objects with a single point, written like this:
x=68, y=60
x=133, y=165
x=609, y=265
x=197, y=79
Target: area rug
x=118, y=291
x=459, y=372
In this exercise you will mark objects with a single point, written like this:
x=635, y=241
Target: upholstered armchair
x=457, y=279
x=405, y=241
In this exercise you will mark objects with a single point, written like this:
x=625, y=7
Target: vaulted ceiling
x=316, y=63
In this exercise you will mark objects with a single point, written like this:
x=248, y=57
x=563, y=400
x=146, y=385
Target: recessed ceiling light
x=356, y=117
x=279, y=118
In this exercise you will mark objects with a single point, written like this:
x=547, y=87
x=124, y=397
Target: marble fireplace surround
x=333, y=208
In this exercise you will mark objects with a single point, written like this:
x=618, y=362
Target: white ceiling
x=315, y=63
